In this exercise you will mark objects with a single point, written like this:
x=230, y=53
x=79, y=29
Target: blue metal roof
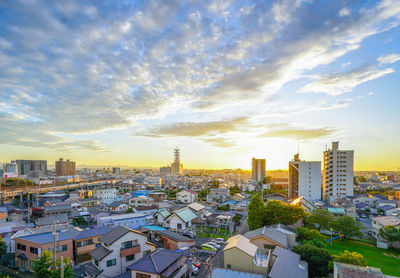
x=93, y=232
x=44, y=238
x=154, y=228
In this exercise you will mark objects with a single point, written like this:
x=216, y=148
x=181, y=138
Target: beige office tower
x=65, y=168
x=258, y=169
x=337, y=173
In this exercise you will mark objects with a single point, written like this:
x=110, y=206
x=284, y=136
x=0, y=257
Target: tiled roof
x=116, y=234
x=185, y=214
x=242, y=243
x=48, y=237
x=100, y=252
x=270, y=233
x=386, y=207
x=174, y=236
x=54, y=219
x=93, y=232
x=196, y=206
x=288, y=265
x=156, y=262
x=144, y=208
x=116, y=204
x=54, y=208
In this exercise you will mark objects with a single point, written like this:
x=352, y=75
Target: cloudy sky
x=124, y=82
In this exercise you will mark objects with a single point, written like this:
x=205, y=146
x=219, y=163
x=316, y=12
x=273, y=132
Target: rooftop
x=387, y=220
x=157, y=262
x=288, y=265
x=123, y=216
x=174, y=236
x=242, y=243
x=43, y=238
x=223, y=273
x=354, y=271
x=93, y=232
x=274, y=234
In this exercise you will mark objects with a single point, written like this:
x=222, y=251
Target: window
x=21, y=247
x=142, y=275
x=61, y=248
x=229, y=266
x=96, y=262
x=146, y=252
x=130, y=258
x=33, y=250
x=31, y=263
x=111, y=262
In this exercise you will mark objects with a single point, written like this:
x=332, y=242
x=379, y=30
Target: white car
x=218, y=241
x=214, y=244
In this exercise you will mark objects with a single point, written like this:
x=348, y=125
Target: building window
x=33, y=250
x=111, y=262
x=96, y=262
x=61, y=248
x=130, y=258
x=142, y=275
x=21, y=247
x=229, y=266
x=31, y=263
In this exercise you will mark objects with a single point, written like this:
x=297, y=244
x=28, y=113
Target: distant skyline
x=124, y=82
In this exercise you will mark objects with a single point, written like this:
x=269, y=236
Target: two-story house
x=181, y=219
x=118, y=207
x=141, y=200
x=118, y=249
x=186, y=196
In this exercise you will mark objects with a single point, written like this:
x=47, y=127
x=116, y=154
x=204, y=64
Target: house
x=161, y=215
x=89, y=202
x=117, y=249
x=276, y=196
x=29, y=248
x=388, y=210
x=174, y=240
x=200, y=211
x=141, y=200
x=186, y=196
x=218, y=195
x=287, y=264
x=337, y=211
x=241, y=255
x=160, y=263
x=130, y=220
x=386, y=202
x=118, y=206
x=180, y=219
x=158, y=196
x=347, y=205
x=270, y=237
x=59, y=220
x=105, y=195
x=97, y=212
x=342, y=270
x=85, y=242
x=58, y=209
x=197, y=208
x=383, y=221
x=149, y=210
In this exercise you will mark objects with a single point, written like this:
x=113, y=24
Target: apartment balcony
x=135, y=249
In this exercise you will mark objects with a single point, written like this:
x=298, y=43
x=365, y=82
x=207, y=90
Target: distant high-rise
x=10, y=170
x=337, y=174
x=304, y=179
x=177, y=166
x=34, y=168
x=258, y=169
x=116, y=170
x=65, y=168
x=166, y=170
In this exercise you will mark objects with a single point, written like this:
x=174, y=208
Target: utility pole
x=54, y=243
x=210, y=265
x=62, y=267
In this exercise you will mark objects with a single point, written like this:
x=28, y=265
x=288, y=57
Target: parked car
x=190, y=234
x=219, y=241
x=214, y=245
x=195, y=270
x=208, y=247
x=197, y=264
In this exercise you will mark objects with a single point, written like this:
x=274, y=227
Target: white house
x=186, y=196
x=383, y=221
x=140, y=201
x=106, y=195
x=161, y=216
x=118, y=206
x=119, y=248
x=181, y=219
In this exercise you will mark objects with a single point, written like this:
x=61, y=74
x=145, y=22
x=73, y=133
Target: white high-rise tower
x=337, y=174
x=304, y=179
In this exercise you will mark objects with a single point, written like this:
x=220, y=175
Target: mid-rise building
x=35, y=168
x=65, y=168
x=304, y=179
x=258, y=170
x=116, y=170
x=165, y=170
x=105, y=195
x=337, y=174
x=10, y=170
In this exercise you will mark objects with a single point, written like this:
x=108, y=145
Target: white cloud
x=388, y=59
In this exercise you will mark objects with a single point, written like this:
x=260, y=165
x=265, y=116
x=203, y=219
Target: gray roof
x=53, y=219
x=270, y=233
x=100, y=252
x=116, y=204
x=87, y=200
x=174, y=236
x=93, y=232
x=55, y=208
x=288, y=265
x=156, y=262
x=92, y=270
x=115, y=234
x=223, y=273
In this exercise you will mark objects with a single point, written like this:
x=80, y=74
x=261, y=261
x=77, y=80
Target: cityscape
x=209, y=139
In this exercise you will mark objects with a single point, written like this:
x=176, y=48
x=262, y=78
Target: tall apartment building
x=177, y=166
x=304, y=179
x=65, y=168
x=10, y=170
x=35, y=168
x=337, y=174
x=116, y=170
x=258, y=169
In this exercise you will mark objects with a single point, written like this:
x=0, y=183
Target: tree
x=318, y=259
x=130, y=210
x=255, y=212
x=237, y=218
x=279, y=212
x=305, y=234
x=79, y=221
x=316, y=242
x=347, y=226
x=350, y=258
x=320, y=218
x=234, y=189
x=390, y=233
x=3, y=247
x=44, y=267
x=266, y=180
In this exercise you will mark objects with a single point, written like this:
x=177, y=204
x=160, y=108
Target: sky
x=124, y=82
